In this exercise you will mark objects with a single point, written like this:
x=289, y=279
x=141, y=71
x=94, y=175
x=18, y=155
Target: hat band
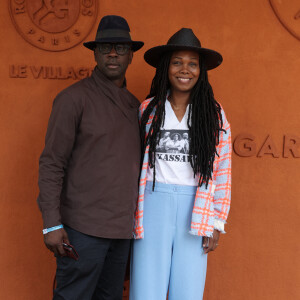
x=113, y=33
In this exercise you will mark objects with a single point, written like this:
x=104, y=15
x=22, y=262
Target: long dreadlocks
x=204, y=120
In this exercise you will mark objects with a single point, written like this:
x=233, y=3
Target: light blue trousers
x=168, y=257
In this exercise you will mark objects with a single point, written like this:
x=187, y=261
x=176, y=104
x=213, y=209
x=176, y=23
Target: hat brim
x=212, y=58
x=136, y=45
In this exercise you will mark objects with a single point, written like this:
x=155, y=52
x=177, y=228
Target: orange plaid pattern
x=210, y=203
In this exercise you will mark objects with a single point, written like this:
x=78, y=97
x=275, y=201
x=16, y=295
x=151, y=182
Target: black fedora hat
x=184, y=39
x=113, y=29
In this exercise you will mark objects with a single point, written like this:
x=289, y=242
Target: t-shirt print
x=173, y=159
x=174, y=145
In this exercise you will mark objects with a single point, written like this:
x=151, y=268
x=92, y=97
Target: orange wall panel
x=258, y=86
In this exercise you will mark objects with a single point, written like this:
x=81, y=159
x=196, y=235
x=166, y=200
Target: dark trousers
x=98, y=274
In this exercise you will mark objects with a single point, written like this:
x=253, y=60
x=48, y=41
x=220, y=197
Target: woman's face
x=184, y=70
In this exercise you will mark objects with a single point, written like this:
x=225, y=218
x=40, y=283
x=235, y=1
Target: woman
x=183, y=199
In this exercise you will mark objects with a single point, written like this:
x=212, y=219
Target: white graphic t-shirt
x=172, y=152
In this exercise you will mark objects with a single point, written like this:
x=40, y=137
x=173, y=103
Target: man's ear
x=130, y=57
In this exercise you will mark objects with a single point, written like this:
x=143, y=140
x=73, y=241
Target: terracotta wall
x=258, y=86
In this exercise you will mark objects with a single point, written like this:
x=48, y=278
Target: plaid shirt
x=210, y=203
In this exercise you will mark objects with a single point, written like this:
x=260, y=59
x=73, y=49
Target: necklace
x=183, y=107
x=174, y=107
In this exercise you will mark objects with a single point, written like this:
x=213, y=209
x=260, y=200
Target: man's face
x=112, y=64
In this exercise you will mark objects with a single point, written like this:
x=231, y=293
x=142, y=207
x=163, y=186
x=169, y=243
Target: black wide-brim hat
x=184, y=39
x=113, y=29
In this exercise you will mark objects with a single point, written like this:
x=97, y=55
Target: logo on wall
x=288, y=13
x=53, y=25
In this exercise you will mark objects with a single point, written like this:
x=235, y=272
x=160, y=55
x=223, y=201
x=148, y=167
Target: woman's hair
x=204, y=120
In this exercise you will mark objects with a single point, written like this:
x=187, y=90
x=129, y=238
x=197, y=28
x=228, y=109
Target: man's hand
x=54, y=239
x=210, y=244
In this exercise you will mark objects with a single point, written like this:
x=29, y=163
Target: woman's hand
x=210, y=244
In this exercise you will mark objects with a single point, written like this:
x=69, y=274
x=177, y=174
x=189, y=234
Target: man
x=89, y=171
x=163, y=141
x=174, y=145
x=185, y=143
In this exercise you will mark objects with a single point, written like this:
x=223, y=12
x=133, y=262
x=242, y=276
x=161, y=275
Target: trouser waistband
x=171, y=188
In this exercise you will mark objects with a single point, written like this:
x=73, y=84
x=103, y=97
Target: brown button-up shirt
x=89, y=169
